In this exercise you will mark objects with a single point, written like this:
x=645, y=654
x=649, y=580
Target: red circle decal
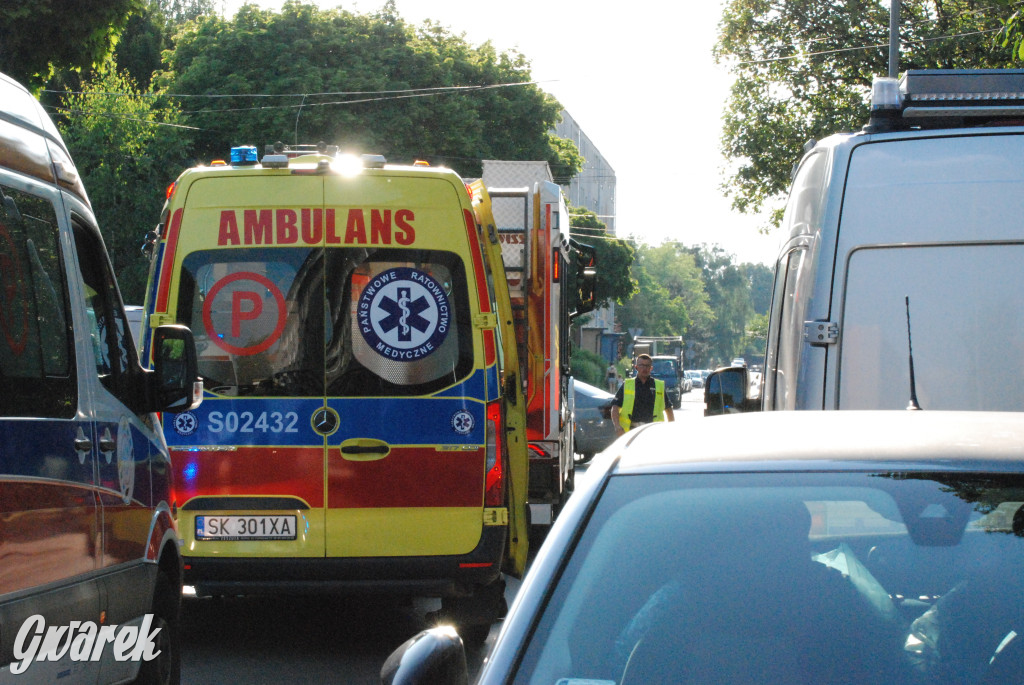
x=245, y=306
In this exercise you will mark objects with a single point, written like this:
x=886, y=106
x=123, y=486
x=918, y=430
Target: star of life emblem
x=404, y=314
x=186, y=423
x=462, y=422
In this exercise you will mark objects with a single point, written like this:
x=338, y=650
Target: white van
x=904, y=241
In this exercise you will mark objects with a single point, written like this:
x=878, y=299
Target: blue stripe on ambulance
x=287, y=423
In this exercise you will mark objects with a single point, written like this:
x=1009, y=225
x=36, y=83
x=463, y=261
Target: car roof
x=827, y=440
x=587, y=389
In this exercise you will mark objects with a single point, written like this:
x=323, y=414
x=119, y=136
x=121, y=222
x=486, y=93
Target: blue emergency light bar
x=244, y=154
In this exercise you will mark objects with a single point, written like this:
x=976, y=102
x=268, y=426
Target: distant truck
x=669, y=369
x=659, y=346
x=539, y=255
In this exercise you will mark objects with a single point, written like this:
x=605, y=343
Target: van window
x=793, y=286
x=109, y=332
x=965, y=325
x=36, y=360
x=302, y=321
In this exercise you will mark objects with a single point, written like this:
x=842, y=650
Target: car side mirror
x=725, y=392
x=435, y=656
x=177, y=386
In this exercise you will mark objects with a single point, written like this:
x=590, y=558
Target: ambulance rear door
x=248, y=256
x=406, y=465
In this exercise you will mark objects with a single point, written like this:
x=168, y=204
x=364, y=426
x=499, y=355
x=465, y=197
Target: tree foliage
x=803, y=70
x=150, y=31
x=39, y=36
x=369, y=83
x=671, y=297
x=124, y=142
x=700, y=293
x=614, y=257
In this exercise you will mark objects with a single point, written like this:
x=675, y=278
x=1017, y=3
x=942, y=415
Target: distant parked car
x=696, y=379
x=135, y=315
x=594, y=429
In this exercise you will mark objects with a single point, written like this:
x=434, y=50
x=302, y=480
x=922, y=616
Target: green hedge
x=588, y=367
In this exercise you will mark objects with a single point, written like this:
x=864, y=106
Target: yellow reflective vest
x=629, y=394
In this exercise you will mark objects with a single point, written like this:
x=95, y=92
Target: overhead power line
x=378, y=96
x=802, y=55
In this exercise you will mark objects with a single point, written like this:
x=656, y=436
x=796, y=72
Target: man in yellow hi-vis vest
x=641, y=399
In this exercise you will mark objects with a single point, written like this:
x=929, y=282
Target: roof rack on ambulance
x=947, y=98
x=278, y=155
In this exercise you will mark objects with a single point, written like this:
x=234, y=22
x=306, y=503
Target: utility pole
x=894, y=38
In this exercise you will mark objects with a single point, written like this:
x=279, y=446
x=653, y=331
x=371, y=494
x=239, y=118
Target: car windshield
x=663, y=367
x=791, y=578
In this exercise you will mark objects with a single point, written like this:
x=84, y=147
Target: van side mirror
x=435, y=656
x=725, y=392
x=177, y=386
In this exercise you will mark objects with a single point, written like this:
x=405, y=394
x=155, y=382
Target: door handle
x=82, y=442
x=107, y=441
x=364, y=449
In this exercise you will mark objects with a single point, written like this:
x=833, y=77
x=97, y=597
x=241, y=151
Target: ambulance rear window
x=338, y=322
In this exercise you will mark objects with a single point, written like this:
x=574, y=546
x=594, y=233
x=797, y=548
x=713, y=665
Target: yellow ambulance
x=358, y=430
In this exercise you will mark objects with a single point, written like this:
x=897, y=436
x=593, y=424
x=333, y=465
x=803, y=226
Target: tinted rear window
x=340, y=322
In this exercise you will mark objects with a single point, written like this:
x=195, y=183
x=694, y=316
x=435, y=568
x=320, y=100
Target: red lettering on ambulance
x=355, y=228
x=228, y=234
x=380, y=226
x=332, y=234
x=406, y=234
x=259, y=227
x=287, y=227
x=312, y=231
x=239, y=313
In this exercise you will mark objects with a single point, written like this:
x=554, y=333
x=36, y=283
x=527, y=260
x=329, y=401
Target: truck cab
x=669, y=369
x=898, y=282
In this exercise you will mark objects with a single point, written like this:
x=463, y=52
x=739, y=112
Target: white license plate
x=245, y=527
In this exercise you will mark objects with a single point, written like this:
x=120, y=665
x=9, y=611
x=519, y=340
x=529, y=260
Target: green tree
x=761, y=279
x=614, y=257
x=369, y=83
x=38, y=36
x=803, y=70
x=719, y=339
x=671, y=298
x=123, y=142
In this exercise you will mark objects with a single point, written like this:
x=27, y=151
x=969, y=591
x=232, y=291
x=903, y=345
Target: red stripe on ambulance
x=278, y=471
x=455, y=480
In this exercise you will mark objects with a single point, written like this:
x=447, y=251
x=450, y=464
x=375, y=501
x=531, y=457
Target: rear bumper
x=441, y=576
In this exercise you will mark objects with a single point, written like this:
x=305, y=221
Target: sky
x=642, y=85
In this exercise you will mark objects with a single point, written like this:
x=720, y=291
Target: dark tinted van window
x=36, y=362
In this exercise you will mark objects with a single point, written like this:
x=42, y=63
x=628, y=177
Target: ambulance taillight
x=494, y=492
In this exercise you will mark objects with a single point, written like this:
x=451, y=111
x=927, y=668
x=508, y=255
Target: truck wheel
x=474, y=615
x=165, y=669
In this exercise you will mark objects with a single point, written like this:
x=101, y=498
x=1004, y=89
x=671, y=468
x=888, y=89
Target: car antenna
x=913, y=405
